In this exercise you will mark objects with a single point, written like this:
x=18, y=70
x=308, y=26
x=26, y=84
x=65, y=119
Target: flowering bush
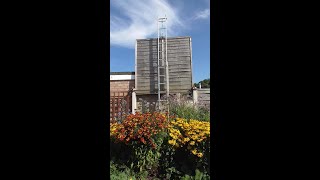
x=138, y=127
x=193, y=134
x=142, y=136
x=189, y=147
x=164, y=148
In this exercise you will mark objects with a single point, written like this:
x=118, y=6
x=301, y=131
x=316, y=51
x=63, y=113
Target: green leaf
x=198, y=175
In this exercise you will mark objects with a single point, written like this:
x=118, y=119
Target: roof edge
x=122, y=73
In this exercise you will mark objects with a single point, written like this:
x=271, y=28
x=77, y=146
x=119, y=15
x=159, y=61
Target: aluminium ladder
x=163, y=70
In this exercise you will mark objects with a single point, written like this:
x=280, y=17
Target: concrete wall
x=146, y=103
x=201, y=97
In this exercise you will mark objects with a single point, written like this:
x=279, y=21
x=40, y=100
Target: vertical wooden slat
x=127, y=110
x=121, y=102
x=113, y=104
x=110, y=107
x=130, y=103
x=122, y=99
x=118, y=104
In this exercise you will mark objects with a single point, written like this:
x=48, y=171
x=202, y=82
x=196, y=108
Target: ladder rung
x=161, y=75
x=162, y=83
x=161, y=67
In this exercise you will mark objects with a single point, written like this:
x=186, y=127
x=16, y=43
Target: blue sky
x=137, y=19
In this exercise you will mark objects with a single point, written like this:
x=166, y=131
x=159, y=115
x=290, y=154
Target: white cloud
x=204, y=14
x=140, y=20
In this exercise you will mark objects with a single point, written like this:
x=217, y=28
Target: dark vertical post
x=113, y=104
x=127, y=110
x=118, y=104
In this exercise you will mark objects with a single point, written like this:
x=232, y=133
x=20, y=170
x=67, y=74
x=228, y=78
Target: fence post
x=134, y=101
x=195, y=96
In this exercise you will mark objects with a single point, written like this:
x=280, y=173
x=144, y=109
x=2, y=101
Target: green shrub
x=117, y=174
x=198, y=176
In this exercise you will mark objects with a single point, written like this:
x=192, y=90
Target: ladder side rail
x=158, y=67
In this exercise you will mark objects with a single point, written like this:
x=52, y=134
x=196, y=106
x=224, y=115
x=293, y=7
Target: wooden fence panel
x=120, y=104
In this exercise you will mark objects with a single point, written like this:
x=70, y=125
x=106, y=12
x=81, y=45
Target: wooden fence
x=120, y=104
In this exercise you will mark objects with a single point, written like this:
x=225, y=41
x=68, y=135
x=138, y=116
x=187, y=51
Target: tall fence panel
x=120, y=104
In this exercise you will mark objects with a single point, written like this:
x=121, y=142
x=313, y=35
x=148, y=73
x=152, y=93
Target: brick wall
x=121, y=85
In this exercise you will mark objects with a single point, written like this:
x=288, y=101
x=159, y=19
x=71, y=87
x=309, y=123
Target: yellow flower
x=194, y=151
x=192, y=143
x=172, y=142
x=199, y=140
x=186, y=139
x=199, y=155
x=195, y=137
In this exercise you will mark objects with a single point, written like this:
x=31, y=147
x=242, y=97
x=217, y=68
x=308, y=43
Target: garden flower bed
x=155, y=146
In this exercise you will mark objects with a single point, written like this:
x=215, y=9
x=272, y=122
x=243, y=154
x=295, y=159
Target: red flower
x=121, y=138
x=142, y=140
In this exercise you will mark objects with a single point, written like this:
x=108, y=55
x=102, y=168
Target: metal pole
x=159, y=96
x=167, y=66
x=158, y=67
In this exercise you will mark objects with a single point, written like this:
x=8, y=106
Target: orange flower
x=142, y=140
x=141, y=127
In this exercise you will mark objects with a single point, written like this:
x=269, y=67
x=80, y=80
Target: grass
x=183, y=109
